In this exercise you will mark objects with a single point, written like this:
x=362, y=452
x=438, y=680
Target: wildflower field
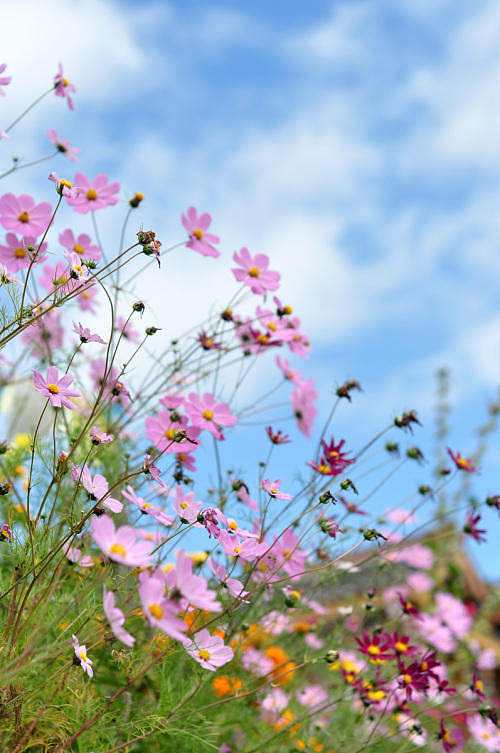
x=149, y=603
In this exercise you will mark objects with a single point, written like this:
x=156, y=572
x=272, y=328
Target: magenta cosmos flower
x=15, y=254
x=197, y=226
x=81, y=245
x=209, y=650
x=93, y=195
x=206, y=413
x=121, y=544
x=4, y=80
x=116, y=619
x=63, y=146
x=63, y=87
x=461, y=463
x=273, y=489
x=21, y=215
x=55, y=387
x=253, y=271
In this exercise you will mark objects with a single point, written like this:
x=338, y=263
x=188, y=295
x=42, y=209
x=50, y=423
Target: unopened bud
x=136, y=200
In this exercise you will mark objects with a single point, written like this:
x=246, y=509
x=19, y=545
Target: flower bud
x=138, y=306
x=331, y=656
x=136, y=200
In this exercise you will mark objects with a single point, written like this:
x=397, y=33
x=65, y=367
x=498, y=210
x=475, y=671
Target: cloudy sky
x=357, y=143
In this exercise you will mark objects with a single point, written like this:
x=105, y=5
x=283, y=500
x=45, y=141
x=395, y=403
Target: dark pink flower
x=461, y=463
x=199, y=239
x=63, y=146
x=63, y=87
x=333, y=460
x=93, y=195
x=22, y=215
x=253, y=271
x=55, y=387
x=471, y=529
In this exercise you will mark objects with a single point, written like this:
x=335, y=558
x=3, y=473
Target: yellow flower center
x=407, y=679
x=273, y=490
x=376, y=695
x=20, y=253
x=83, y=654
x=287, y=553
x=204, y=654
x=184, y=505
x=254, y=272
x=287, y=310
x=146, y=506
x=401, y=647
x=118, y=549
x=156, y=611
x=237, y=549
x=198, y=233
x=272, y=326
x=373, y=650
x=170, y=433
x=91, y=194
x=65, y=82
x=24, y=217
x=324, y=469
x=208, y=414
x=233, y=525
x=53, y=389
x=79, y=249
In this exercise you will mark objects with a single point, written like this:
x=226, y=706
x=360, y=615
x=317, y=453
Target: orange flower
x=284, y=674
x=277, y=655
x=225, y=685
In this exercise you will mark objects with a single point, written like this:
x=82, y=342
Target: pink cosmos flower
x=484, y=732
x=87, y=298
x=22, y=215
x=275, y=622
x=400, y=515
x=116, y=619
x=97, y=488
x=304, y=406
x=432, y=629
x=55, y=387
x=81, y=245
x=257, y=662
x=246, y=549
x=75, y=555
x=120, y=544
x=45, y=335
x=160, y=611
x=126, y=329
x=290, y=374
x=197, y=226
x=209, y=650
x=63, y=87
x=289, y=556
x=243, y=495
x=93, y=195
x=206, y=413
x=193, y=588
x=186, y=460
x=253, y=272
x=4, y=80
x=63, y=146
x=57, y=277
x=313, y=641
x=81, y=655
x=6, y=276
x=234, y=586
x=454, y=614
x=312, y=696
x=420, y=582
x=146, y=507
x=273, y=703
x=16, y=256
x=415, y=555
x=171, y=436
x=86, y=336
x=273, y=489
x=185, y=505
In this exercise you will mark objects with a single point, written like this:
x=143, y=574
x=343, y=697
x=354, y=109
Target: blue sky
x=357, y=143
